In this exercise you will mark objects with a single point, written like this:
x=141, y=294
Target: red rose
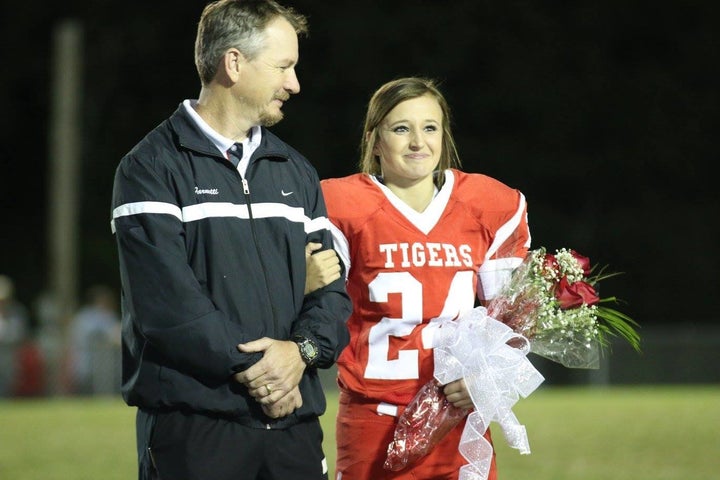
x=583, y=261
x=575, y=294
x=550, y=264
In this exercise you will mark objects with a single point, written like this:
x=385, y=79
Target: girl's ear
x=368, y=139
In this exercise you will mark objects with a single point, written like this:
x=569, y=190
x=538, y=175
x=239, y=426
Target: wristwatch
x=309, y=350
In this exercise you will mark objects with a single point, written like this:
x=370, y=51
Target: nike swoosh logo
x=284, y=194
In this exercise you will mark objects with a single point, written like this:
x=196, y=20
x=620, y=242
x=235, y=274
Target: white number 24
x=459, y=299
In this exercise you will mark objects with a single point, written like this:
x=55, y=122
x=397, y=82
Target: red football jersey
x=407, y=270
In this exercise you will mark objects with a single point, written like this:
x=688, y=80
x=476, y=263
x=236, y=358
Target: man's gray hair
x=240, y=24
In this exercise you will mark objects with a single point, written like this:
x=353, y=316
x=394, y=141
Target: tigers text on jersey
x=407, y=270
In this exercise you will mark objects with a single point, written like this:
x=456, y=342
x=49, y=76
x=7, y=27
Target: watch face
x=308, y=350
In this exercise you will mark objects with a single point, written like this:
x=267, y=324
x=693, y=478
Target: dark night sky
x=602, y=113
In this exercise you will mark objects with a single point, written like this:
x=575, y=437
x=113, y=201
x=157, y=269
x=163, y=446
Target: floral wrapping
x=549, y=306
x=428, y=419
x=476, y=348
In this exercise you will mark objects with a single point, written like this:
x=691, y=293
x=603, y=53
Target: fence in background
x=670, y=355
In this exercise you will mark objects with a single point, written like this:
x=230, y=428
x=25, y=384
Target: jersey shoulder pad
x=351, y=197
x=484, y=193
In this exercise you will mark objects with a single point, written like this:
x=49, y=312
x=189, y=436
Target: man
x=212, y=213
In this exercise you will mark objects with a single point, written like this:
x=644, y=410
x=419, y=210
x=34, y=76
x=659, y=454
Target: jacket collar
x=191, y=137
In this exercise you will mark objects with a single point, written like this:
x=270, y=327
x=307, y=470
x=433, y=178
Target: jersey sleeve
x=347, y=200
x=509, y=248
x=502, y=210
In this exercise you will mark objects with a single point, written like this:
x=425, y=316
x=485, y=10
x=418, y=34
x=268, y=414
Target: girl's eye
x=401, y=129
x=431, y=128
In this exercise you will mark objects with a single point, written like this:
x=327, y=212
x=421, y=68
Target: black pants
x=182, y=446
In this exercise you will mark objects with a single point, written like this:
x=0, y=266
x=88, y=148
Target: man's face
x=268, y=81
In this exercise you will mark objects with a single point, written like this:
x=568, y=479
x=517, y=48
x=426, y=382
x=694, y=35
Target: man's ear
x=233, y=62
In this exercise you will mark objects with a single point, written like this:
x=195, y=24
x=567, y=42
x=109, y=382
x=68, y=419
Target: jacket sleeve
x=161, y=295
x=325, y=311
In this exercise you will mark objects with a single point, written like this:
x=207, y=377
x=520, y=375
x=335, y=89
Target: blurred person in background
x=14, y=330
x=94, y=340
x=212, y=213
x=421, y=241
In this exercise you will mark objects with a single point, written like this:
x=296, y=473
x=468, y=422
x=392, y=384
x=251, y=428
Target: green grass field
x=576, y=433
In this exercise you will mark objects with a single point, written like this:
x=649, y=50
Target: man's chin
x=270, y=119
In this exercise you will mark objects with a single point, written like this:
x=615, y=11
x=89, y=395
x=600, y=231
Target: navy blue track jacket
x=207, y=262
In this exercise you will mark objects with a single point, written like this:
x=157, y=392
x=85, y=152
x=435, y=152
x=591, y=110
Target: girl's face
x=410, y=141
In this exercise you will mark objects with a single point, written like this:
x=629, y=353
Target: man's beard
x=268, y=120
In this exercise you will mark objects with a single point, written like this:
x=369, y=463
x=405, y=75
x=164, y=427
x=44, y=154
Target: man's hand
x=276, y=374
x=285, y=406
x=322, y=267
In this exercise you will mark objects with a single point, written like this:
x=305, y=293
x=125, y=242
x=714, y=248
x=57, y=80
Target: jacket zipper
x=246, y=191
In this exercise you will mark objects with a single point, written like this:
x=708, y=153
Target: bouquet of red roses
x=550, y=307
x=552, y=300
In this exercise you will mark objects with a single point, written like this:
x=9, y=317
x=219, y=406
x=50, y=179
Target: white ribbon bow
x=475, y=347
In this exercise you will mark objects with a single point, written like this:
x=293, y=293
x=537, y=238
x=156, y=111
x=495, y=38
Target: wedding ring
x=267, y=387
